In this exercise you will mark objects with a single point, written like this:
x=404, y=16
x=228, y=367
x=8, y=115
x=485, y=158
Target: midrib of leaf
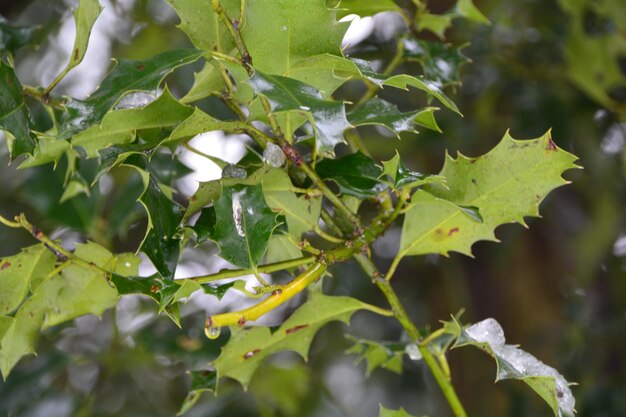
x=22, y=104
x=403, y=252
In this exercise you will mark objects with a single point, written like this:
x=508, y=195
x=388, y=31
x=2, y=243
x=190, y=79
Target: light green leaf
x=245, y=350
x=505, y=185
x=207, y=193
x=278, y=33
x=85, y=16
x=392, y=413
x=19, y=272
x=205, y=82
x=121, y=126
x=435, y=23
x=302, y=213
x=366, y=7
x=286, y=94
x=515, y=363
x=325, y=72
x=48, y=149
x=467, y=9
x=203, y=26
x=200, y=122
x=281, y=248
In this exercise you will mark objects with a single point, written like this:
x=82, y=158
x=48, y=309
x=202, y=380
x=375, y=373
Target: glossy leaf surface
x=14, y=115
x=355, y=174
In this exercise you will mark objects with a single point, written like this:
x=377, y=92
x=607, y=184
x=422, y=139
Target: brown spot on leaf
x=5, y=265
x=154, y=289
x=453, y=231
x=296, y=328
x=251, y=353
x=551, y=146
x=140, y=67
x=76, y=54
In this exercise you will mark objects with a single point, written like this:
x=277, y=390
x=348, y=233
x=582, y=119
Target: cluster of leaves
x=278, y=71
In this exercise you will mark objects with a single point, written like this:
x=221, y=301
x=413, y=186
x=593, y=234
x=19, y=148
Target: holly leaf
x=515, y=363
x=355, y=174
x=121, y=126
x=247, y=348
x=14, y=115
x=13, y=37
x=200, y=122
x=21, y=272
x=435, y=23
x=430, y=87
x=126, y=76
x=243, y=225
x=467, y=9
x=382, y=113
x=376, y=355
x=392, y=413
x=278, y=33
x=440, y=61
x=161, y=243
x=302, y=213
x=505, y=185
x=281, y=248
x=401, y=176
x=85, y=16
x=201, y=381
x=366, y=7
x=286, y=94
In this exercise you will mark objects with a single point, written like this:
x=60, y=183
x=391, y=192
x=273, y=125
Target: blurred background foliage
x=559, y=288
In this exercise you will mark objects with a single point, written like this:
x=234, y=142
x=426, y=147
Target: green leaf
x=378, y=355
x=203, y=26
x=440, y=61
x=245, y=350
x=85, y=16
x=392, y=413
x=121, y=126
x=514, y=363
x=355, y=174
x=13, y=38
x=278, y=33
x=200, y=122
x=281, y=248
x=207, y=193
x=161, y=243
x=467, y=9
x=366, y=7
x=430, y=87
x=243, y=225
x=435, y=23
x=201, y=381
x=302, y=213
x=286, y=94
x=14, y=115
x=20, y=272
x=403, y=177
x=126, y=76
x=379, y=112
x=206, y=82
x=173, y=291
x=325, y=72
x=505, y=185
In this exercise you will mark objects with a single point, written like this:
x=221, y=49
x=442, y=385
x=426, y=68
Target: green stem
x=401, y=315
x=56, y=81
x=217, y=161
x=263, y=269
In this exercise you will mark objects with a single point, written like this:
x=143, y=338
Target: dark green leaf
x=243, y=225
x=126, y=76
x=440, y=62
x=13, y=38
x=402, y=176
x=14, y=115
x=287, y=94
x=201, y=381
x=355, y=174
x=379, y=112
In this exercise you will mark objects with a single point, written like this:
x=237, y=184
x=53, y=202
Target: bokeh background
x=558, y=288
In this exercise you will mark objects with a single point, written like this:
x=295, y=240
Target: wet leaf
x=85, y=16
x=505, y=185
x=440, y=61
x=286, y=94
x=430, y=87
x=401, y=176
x=243, y=225
x=515, y=363
x=355, y=174
x=200, y=122
x=14, y=115
x=201, y=381
x=379, y=112
x=247, y=348
x=126, y=76
x=302, y=213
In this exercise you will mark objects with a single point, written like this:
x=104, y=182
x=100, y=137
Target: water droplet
x=233, y=171
x=274, y=156
x=212, y=332
x=136, y=100
x=238, y=213
x=413, y=351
